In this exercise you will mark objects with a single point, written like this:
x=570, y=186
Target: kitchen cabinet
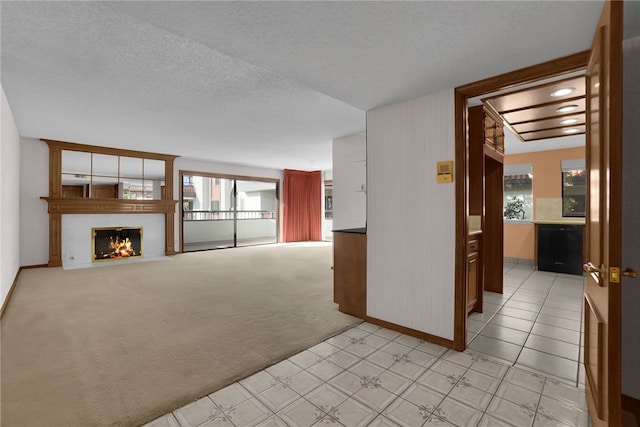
x=350, y=271
x=474, y=273
x=493, y=135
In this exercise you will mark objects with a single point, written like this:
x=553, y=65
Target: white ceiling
x=259, y=83
x=513, y=145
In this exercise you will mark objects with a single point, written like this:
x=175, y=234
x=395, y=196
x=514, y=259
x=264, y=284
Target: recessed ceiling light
x=563, y=91
x=567, y=108
x=572, y=130
x=569, y=121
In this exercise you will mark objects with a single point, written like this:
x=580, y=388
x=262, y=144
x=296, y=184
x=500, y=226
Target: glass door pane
x=208, y=213
x=257, y=212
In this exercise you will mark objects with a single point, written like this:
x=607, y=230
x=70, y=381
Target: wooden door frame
x=462, y=94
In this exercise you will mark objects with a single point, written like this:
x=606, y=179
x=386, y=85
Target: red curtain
x=302, y=197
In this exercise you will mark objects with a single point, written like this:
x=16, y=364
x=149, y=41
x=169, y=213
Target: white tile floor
x=535, y=324
x=370, y=376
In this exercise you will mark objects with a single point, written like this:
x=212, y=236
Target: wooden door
x=604, y=159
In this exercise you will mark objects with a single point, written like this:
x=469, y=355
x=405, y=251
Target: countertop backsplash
x=549, y=211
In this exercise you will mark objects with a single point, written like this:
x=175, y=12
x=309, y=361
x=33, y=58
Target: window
x=573, y=188
x=518, y=192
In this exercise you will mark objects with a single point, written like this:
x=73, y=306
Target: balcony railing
x=222, y=215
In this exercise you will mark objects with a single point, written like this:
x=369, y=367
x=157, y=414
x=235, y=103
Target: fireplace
x=116, y=243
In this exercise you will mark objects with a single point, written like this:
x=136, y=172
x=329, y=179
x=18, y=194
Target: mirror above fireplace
x=108, y=176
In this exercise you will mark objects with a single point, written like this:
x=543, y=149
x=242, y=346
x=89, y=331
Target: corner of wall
x=10, y=199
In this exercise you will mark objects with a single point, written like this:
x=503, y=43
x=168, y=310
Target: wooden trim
x=614, y=114
x=55, y=171
x=462, y=213
x=631, y=405
x=227, y=176
x=108, y=206
x=29, y=267
x=10, y=293
x=555, y=67
x=411, y=332
x=595, y=379
x=181, y=210
x=559, y=66
x=73, y=146
x=55, y=239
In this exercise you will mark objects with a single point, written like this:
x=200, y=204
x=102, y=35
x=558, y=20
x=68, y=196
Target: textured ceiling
x=261, y=83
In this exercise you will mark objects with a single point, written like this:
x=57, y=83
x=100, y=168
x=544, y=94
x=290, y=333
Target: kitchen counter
x=474, y=232
x=560, y=221
x=362, y=230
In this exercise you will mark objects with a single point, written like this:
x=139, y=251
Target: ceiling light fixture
x=572, y=130
x=567, y=108
x=569, y=121
x=563, y=91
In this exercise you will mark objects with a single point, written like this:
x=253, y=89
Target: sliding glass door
x=224, y=212
x=256, y=212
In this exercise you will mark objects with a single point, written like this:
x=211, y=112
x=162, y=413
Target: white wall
x=194, y=165
x=34, y=219
x=9, y=200
x=77, y=238
x=630, y=220
x=349, y=182
x=410, y=217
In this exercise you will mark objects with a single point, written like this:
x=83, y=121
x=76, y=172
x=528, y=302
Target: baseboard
x=26, y=267
x=411, y=332
x=13, y=286
x=6, y=300
x=631, y=405
x=513, y=260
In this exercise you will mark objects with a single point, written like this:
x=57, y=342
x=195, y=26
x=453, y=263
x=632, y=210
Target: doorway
x=221, y=211
x=530, y=75
x=530, y=318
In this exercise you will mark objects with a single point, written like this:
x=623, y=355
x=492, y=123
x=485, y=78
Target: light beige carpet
x=124, y=344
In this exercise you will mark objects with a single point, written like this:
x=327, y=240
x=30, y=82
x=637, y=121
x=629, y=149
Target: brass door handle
x=629, y=272
x=590, y=268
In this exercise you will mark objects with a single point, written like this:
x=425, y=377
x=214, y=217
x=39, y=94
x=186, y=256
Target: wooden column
x=169, y=221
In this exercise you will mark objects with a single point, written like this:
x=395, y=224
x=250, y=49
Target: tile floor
x=371, y=376
x=535, y=324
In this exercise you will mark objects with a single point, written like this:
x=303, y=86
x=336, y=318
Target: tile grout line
x=537, y=315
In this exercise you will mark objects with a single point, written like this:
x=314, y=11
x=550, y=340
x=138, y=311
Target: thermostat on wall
x=445, y=171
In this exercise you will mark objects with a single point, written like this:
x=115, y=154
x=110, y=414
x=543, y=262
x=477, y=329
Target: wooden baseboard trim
x=412, y=332
x=26, y=267
x=631, y=405
x=6, y=300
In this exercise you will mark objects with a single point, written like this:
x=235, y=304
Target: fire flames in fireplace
x=116, y=243
x=121, y=248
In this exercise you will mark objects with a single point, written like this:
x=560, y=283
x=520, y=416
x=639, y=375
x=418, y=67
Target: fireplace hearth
x=116, y=243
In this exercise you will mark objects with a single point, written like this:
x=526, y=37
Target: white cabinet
x=350, y=182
